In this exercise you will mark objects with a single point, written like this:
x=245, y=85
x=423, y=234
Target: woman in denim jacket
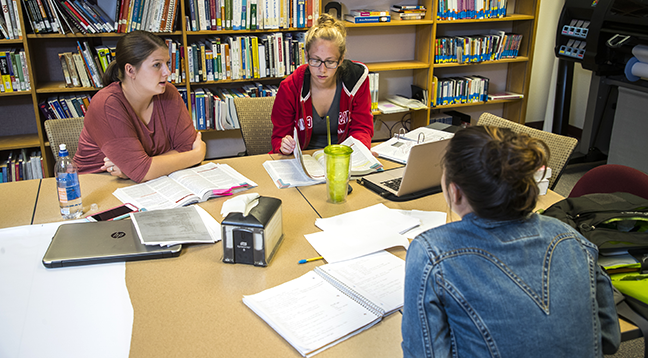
x=503, y=281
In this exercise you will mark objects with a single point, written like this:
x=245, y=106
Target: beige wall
x=543, y=74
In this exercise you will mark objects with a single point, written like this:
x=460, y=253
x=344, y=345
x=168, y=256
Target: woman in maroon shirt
x=138, y=126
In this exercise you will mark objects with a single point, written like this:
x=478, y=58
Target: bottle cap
x=62, y=150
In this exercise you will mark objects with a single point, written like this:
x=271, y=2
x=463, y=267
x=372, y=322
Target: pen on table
x=309, y=260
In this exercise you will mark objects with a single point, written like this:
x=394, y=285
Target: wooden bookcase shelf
x=513, y=73
x=47, y=79
x=20, y=141
x=507, y=60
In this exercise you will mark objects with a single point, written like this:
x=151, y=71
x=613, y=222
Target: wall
x=543, y=74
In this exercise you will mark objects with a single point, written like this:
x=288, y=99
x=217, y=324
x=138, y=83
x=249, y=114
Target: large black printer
x=610, y=38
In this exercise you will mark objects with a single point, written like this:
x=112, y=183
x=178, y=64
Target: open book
x=398, y=147
x=306, y=170
x=185, y=187
x=311, y=314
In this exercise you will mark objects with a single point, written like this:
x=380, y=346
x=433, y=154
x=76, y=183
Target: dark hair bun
x=495, y=169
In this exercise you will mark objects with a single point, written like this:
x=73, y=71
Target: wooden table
x=191, y=305
x=19, y=199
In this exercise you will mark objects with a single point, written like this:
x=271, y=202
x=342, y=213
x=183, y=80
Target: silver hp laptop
x=100, y=242
x=421, y=175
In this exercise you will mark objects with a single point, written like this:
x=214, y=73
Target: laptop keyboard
x=393, y=183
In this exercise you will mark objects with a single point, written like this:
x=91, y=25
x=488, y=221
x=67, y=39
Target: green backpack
x=613, y=222
x=616, y=222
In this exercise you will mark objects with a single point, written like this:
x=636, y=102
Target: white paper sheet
x=338, y=246
x=376, y=216
x=429, y=220
x=82, y=311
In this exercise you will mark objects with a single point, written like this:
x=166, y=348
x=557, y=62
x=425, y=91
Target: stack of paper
x=361, y=232
x=398, y=147
x=191, y=224
x=388, y=108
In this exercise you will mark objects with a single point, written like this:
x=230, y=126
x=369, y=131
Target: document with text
x=333, y=302
x=184, y=187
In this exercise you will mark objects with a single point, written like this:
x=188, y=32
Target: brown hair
x=327, y=28
x=132, y=48
x=494, y=168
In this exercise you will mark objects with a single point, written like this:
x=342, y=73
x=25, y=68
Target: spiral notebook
x=310, y=313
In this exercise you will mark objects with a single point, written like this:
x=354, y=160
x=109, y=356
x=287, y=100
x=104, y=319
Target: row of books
x=21, y=165
x=251, y=14
x=149, y=15
x=10, y=20
x=408, y=12
x=65, y=16
x=14, y=73
x=215, y=109
x=471, y=9
x=399, y=12
x=246, y=57
x=65, y=106
x=85, y=67
x=478, y=48
x=176, y=61
x=440, y=118
x=456, y=90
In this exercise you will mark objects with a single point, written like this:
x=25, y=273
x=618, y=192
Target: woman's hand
x=199, y=146
x=287, y=145
x=111, y=168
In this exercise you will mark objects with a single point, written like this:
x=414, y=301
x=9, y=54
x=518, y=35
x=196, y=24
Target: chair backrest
x=256, y=125
x=560, y=146
x=612, y=178
x=66, y=131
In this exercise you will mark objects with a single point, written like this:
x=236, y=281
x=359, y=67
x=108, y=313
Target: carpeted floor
x=571, y=174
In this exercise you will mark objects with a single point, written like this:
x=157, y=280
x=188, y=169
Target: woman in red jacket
x=329, y=86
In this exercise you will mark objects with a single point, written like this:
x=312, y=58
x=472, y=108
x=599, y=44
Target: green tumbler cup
x=338, y=162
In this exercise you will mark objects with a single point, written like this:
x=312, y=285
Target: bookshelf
x=405, y=63
x=23, y=127
x=401, y=68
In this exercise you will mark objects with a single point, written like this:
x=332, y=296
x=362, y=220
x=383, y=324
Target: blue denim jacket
x=523, y=288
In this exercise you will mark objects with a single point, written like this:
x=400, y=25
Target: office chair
x=256, y=125
x=560, y=146
x=66, y=131
x=612, y=178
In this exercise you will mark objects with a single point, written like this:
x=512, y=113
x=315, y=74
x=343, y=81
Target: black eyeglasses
x=329, y=64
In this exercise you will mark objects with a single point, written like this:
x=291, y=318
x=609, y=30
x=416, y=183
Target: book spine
x=18, y=28
x=368, y=19
x=77, y=17
x=7, y=17
x=12, y=72
x=4, y=72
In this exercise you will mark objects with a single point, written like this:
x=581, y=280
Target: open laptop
x=420, y=176
x=100, y=242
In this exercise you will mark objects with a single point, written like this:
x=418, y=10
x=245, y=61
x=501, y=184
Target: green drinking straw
x=328, y=130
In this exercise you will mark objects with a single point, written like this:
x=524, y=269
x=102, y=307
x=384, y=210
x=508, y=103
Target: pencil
x=311, y=259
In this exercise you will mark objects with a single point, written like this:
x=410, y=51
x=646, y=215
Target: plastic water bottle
x=67, y=183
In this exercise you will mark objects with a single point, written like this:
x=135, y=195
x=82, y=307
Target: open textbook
x=306, y=169
x=398, y=147
x=310, y=313
x=185, y=187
